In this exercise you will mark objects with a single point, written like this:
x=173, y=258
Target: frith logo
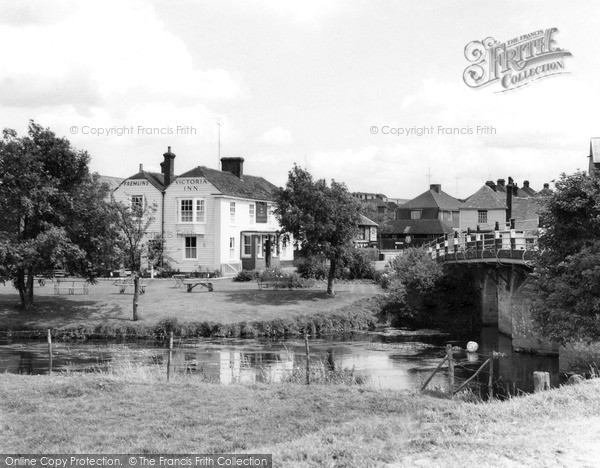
x=514, y=63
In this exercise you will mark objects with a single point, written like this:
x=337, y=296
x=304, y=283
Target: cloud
x=276, y=136
x=112, y=53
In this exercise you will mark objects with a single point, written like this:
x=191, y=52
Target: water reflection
x=389, y=359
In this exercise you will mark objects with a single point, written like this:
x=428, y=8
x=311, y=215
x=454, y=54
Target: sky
x=325, y=85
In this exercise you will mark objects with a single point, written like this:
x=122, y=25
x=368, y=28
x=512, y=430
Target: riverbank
x=231, y=310
x=300, y=425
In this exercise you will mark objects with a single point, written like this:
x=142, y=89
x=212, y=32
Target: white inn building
x=210, y=219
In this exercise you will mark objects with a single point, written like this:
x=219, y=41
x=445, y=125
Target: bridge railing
x=499, y=245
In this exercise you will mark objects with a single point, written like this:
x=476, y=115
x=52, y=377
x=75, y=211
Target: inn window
x=137, y=202
x=232, y=212
x=251, y=212
x=191, y=247
x=199, y=211
x=415, y=214
x=247, y=248
x=192, y=210
x=482, y=216
x=259, y=246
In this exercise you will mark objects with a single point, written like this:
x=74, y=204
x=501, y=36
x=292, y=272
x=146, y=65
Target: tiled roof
x=525, y=211
x=364, y=221
x=227, y=183
x=155, y=178
x=112, y=182
x=418, y=226
x=433, y=199
x=486, y=199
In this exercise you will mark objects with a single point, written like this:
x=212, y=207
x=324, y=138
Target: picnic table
x=179, y=280
x=124, y=283
x=70, y=285
x=191, y=283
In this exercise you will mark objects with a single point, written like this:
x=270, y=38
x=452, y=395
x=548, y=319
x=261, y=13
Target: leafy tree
x=132, y=224
x=566, y=279
x=322, y=218
x=52, y=210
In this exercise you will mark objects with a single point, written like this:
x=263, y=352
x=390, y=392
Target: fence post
x=169, y=358
x=450, y=370
x=491, y=379
x=49, y=352
x=307, y=359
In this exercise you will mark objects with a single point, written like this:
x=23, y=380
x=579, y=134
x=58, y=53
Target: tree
x=132, y=223
x=52, y=210
x=566, y=279
x=322, y=219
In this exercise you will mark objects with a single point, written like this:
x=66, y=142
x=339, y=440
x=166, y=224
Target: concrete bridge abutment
x=506, y=303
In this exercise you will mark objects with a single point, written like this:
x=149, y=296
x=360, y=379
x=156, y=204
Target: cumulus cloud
x=276, y=136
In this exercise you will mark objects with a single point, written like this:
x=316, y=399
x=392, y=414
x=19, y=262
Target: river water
x=388, y=358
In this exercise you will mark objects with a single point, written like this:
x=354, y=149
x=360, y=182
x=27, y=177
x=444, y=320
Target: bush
x=245, y=276
x=359, y=264
x=312, y=267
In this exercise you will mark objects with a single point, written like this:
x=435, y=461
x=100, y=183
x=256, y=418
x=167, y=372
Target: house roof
x=433, y=199
x=525, y=211
x=419, y=226
x=486, y=199
x=155, y=178
x=364, y=221
x=229, y=184
x=112, y=182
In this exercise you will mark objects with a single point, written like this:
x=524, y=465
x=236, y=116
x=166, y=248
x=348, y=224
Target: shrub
x=245, y=276
x=359, y=264
x=312, y=267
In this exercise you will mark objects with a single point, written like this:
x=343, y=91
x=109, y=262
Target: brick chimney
x=491, y=184
x=546, y=185
x=233, y=165
x=167, y=167
x=141, y=167
x=437, y=188
x=526, y=183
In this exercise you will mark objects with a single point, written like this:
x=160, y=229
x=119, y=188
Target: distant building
x=367, y=233
x=425, y=217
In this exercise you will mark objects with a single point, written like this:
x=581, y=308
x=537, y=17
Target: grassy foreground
x=301, y=426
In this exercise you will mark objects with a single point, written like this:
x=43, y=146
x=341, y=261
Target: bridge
x=501, y=262
x=507, y=247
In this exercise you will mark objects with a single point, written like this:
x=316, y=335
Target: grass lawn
x=229, y=303
x=300, y=425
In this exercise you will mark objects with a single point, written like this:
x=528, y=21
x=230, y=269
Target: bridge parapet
x=509, y=246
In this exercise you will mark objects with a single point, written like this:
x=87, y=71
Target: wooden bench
x=191, y=283
x=275, y=282
x=124, y=283
x=70, y=285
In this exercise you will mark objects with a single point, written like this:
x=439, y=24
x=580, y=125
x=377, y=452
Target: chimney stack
x=501, y=182
x=509, y=195
x=233, y=165
x=437, y=188
x=491, y=184
x=526, y=183
x=547, y=185
x=167, y=167
x=141, y=167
